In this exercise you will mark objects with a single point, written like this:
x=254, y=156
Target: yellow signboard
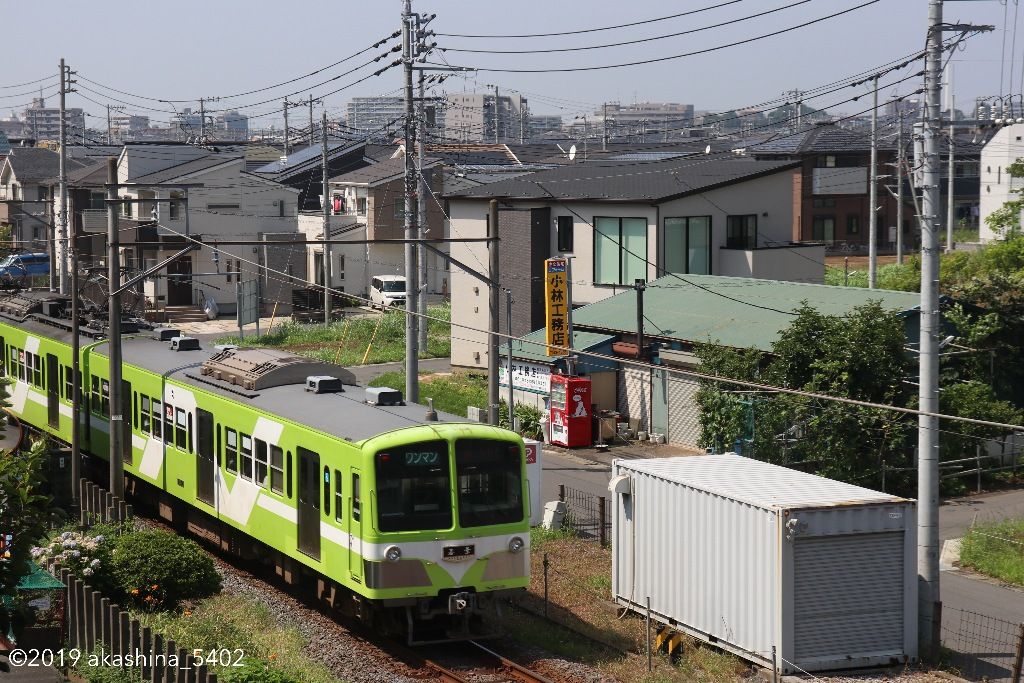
x=556, y=305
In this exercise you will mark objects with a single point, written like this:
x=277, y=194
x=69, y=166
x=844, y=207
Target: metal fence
x=587, y=515
x=983, y=648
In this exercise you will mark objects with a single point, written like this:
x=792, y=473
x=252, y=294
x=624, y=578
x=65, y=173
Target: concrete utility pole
x=202, y=119
x=421, y=253
x=76, y=374
x=114, y=335
x=328, y=269
x=927, y=435
x=899, y=190
x=311, y=138
x=511, y=389
x=62, y=244
x=497, y=115
x=604, y=127
x=950, y=208
x=873, y=192
x=493, y=313
x=412, y=380
x=286, y=104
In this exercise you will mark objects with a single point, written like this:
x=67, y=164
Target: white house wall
x=1005, y=147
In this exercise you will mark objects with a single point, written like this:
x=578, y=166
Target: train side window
x=181, y=434
x=231, y=450
x=144, y=414
x=3, y=358
x=327, y=492
x=276, y=469
x=94, y=394
x=169, y=423
x=135, y=410
x=261, y=462
x=157, y=419
x=246, y=456
x=105, y=397
x=217, y=450
x=339, y=502
x=190, y=432
x=356, y=503
x=69, y=386
x=288, y=475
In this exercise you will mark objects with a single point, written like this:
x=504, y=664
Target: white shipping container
x=753, y=556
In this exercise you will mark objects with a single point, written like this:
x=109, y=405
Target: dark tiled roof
x=32, y=164
x=179, y=170
x=380, y=172
x=820, y=139
x=629, y=181
x=92, y=175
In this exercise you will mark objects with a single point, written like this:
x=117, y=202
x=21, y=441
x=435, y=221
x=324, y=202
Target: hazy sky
x=190, y=49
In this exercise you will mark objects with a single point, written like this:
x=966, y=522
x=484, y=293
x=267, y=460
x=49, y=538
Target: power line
x=670, y=57
x=590, y=30
x=628, y=42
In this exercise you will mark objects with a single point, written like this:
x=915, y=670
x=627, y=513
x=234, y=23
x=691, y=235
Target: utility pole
x=114, y=335
x=311, y=138
x=202, y=119
x=421, y=253
x=60, y=247
x=110, y=127
x=899, y=190
x=493, y=313
x=873, y=192
x=511, y=389
x=497, y=115
x=76, y=374
x=927, y=434
x=604, y=127
x=286, y=126
x=950, y=208
x=640, y=285
x=328, y=269
x=412, y=380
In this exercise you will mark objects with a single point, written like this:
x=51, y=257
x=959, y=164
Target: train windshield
x=414, y=487
x=490, y=482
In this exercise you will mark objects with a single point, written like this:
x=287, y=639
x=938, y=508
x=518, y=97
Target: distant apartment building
x=233, y=123
x=485, y=117
x=643, y=121
x=43, y=123
x=372, y=115
x=122, y=126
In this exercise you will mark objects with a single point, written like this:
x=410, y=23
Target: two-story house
x=28, y=177
x=620, y=221
x=1005, y=147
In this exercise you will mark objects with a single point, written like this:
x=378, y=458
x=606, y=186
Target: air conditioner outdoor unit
x=277, y=202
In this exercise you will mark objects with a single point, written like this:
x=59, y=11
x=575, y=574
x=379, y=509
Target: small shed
x=783, y=568
x=42, y=596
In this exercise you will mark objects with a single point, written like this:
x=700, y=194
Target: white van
x=387, y=290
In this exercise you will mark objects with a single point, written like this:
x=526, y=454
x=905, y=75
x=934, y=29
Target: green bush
x=89, y=668
x=258, y=672
x=158, y=569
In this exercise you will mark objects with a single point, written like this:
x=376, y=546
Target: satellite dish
x=707, y=150
x=572, y=152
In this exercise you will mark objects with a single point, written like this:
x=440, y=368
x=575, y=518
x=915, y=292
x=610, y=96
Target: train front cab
x=446, y=532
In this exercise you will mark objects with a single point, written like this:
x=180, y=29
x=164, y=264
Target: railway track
x=472, y=662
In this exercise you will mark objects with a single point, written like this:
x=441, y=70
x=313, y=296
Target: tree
x=859, y=356
x=24, y=510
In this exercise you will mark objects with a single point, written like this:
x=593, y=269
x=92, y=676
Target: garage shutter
x=683, y=413
x=635, y=395
x=848, y=596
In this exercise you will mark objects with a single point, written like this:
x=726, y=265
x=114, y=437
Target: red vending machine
x=570, y=411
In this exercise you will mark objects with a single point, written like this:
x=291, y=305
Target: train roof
x=344, y=414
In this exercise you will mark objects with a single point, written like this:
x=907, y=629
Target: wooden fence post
x=96, y=620
x=561, y=492
x=134, y=645
x=83, y=499
x=171, y=650
x=124, y=643
x=1018, y=662
x=157, y=670
x=184, y=670
x=147, y=651
x=602, y=535
x=104, y=623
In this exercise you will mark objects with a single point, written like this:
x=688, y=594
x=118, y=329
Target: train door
x=309, y=503
x=206, y=462
x=355, y=529
x=52, y=391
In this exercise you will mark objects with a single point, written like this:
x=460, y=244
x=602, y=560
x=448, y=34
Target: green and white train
x=396, y=515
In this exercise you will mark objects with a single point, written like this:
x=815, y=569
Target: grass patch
x=579, y=588
x=232, y=621
x=996, y=549
x=451, y=393
x=344, y=342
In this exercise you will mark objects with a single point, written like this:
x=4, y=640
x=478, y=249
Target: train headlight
x=392, y=553
x=516, y=545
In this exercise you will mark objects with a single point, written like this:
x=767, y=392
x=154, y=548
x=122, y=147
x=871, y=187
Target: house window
x=687, y=245
x=823, y=229
x=565, y=233
x=126, y=208
x=174, y=207
x=318, y=268
x=824, y=203
x=361, y=206
x=852, y=224
x=222, y=208
x=741, y=232
x=620, y=250
x=41, y=193
x=826, y=161
x=399, y=205
x=341, y=267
